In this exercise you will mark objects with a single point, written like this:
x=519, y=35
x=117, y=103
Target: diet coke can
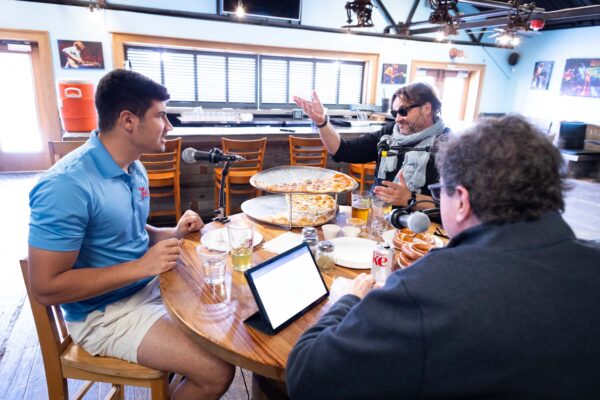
x=383, y=258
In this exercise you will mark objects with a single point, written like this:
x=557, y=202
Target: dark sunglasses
x=403, y=111
x=436, y=190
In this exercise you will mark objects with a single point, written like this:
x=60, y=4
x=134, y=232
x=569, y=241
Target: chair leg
x=216, y=195
x=177, y=201
x=57, y=386
x=160, y=389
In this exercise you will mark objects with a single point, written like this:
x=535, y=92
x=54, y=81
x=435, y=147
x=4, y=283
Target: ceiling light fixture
x=518, y=22
x=442, y=15
x=363, y=10
x=97, y=5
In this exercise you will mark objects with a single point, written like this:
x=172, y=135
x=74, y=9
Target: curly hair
x=121, y=90
x=512, y=172
x=420, y=93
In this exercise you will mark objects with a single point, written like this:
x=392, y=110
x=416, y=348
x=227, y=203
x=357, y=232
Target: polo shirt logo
x=144, y=192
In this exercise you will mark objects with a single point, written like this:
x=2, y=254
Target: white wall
x=556, y=46
x=77, y=23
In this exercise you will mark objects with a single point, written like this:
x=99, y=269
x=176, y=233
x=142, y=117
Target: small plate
x=354, y=252
x=218, y=239
x=388, y=237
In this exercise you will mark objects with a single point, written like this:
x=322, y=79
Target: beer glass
x=361, y=204
x=241, y=243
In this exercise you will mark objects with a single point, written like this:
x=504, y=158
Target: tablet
x=285, y=287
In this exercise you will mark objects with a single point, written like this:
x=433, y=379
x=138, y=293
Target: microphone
x=417, y=221
x=213, y=156
x=384, y=143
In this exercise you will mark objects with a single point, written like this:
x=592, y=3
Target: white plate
x=354, y=252
x=388, y=237
x=218, y=239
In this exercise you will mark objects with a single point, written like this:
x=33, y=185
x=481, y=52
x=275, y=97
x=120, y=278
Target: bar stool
x=363, y=173
x=164, y=170
x=237, y=181
x=307, y=151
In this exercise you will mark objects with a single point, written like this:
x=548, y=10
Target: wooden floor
x=21, y=368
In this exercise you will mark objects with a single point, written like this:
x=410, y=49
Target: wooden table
x=214, y=316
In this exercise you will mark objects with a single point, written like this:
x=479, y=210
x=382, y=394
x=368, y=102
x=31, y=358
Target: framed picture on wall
x=78, y=54
x=542, y=71
x=581, y=77
x=394, y=74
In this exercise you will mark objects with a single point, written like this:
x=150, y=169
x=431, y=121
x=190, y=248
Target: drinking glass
x=213, y=264
x=379, y=209
x=361, y=204
x=241, y=243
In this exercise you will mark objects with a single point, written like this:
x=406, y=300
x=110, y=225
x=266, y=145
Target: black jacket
x=504, y=312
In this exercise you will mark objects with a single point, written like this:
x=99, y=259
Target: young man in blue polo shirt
x=91, y=251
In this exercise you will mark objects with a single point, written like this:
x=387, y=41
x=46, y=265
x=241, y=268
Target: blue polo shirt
x=86, y=203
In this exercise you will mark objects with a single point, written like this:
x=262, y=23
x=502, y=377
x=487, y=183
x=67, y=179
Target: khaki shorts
x=119, y=330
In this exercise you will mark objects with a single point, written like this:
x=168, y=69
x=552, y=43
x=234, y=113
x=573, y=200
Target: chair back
x=60, y=149
x=307, y=151
x=165, y=162
x=51, y=330
x=252, y=150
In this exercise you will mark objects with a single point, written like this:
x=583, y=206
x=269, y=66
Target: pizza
x=336, y=183
x=307, y=210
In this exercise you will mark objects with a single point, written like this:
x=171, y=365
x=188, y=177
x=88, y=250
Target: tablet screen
x=286, y=285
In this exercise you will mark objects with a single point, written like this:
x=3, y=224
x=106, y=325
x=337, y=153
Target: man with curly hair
x=507, y=310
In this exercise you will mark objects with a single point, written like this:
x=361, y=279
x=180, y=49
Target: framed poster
x=76, y=54
x=394, y=74
x=541, y=75
x=581, y=78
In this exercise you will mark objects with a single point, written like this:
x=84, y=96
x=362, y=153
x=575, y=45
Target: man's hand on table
x=359, y=286
x=189, y=222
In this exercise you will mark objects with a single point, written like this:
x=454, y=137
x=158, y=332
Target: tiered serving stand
x=261, y=207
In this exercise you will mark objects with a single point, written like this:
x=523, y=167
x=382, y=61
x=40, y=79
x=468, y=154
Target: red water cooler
x=77, y=109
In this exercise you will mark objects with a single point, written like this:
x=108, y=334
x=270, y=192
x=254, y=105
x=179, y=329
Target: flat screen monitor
x=280, y=9
x=571, y=135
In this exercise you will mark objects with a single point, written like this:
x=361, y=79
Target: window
x=219, y=79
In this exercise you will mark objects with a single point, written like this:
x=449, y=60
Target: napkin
x=283, y=242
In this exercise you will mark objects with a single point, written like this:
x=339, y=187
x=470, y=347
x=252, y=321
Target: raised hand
x=397, y=194
x=313, y=108
x=161, y=257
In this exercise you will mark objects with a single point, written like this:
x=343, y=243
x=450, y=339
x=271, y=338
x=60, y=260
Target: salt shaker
x=325, y=255
x=309, y=236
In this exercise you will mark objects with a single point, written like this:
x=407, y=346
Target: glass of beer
x=241, y=237
x=361, y=204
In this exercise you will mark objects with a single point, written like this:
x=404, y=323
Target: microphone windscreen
x=188, y=155
x=418, y=222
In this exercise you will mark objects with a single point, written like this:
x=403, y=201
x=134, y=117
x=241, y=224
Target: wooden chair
x=64, y=360
x=60, y=149
x=237, y=181
x=363, y=173
x=164, y=170
x=307, y=151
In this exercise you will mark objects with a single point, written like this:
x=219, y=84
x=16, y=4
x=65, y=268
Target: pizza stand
x=263, y=207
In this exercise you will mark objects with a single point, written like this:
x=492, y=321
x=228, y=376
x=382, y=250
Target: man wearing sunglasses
x=414, y=133
x=507, y=310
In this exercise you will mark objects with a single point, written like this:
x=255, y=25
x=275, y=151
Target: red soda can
x=383, y=258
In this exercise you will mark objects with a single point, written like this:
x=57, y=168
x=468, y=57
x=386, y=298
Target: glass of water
x=379, y=209
x=213, y=264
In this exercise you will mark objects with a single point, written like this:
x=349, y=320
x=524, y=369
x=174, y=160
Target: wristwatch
x=413, y=199
x=324, y=122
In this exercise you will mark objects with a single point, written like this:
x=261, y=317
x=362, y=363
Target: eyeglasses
x=436, y=190
x=403, y=111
